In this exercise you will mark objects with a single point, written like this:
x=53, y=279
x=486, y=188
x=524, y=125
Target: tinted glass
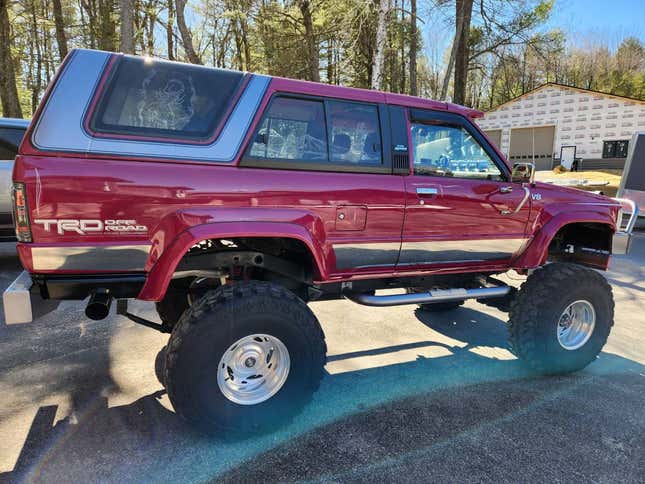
x=609, y=149
x=621, y=148
x=163, y=99
x=450, y=151
x=10, y=139
x=292, y=129
x=635, y=178
x=355, y=133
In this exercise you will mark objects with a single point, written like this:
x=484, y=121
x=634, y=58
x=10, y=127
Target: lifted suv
x=233, y=199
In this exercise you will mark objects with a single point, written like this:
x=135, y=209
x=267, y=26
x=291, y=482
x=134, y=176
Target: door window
x=320, y=134
x=451, y=151
x=355, y=133
x=292, y=129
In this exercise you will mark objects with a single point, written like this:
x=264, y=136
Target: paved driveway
x=409, y=396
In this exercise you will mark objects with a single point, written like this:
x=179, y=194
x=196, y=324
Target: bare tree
x=381, y=39
x=127, y=27
x=59, y=22
x=8, y=88
x=186, y=36
x=413, y=48
x=170, y=35
x=464, y=10
x=313, y=60
x=459, y=53
x=107, y=25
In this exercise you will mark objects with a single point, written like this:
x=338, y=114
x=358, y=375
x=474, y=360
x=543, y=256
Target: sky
x=610, y=20
x=585, y=22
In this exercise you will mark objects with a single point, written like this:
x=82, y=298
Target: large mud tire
x=171, y=307
x=206, y=332
x=536, y=313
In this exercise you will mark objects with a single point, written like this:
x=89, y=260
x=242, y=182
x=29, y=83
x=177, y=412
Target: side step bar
x=439, y=295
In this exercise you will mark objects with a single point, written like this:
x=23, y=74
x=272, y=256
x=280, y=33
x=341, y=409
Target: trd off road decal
x=85, y=227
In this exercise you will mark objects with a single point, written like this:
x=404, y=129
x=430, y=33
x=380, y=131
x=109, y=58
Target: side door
x=460, y=204
x=332, y=157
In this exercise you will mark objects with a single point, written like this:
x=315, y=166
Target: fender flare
x=163, y=267
x=536, y=251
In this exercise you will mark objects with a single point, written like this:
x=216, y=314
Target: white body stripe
x=60, y=128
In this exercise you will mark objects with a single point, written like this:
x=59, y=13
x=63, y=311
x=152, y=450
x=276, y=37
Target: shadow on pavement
x=461, y=417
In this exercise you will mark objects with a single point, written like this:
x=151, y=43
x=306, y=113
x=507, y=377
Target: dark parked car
x=11, y=133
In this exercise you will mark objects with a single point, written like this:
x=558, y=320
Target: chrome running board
x=435, y=296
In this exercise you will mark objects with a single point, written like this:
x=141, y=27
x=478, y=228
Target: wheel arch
x=590, y=234
x=163, y=267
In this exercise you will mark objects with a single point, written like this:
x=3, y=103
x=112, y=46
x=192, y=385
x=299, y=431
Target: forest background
x=479, y=53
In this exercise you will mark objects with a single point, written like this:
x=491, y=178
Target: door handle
x=506, y=189
x=527, y=193
x=427, y=191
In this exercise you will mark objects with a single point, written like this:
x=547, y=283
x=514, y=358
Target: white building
x=537, y=124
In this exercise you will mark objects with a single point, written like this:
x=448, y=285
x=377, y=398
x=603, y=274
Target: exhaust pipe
x=98, y=307
x=440, y=295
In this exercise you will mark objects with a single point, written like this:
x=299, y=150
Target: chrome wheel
x=253, y=369
x=576, y=325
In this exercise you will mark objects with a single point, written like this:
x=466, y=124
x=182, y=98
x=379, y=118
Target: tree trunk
x=127, y=27
x=413, y=48
x=169, y=30
x=449, y=67
x=8, y=88
x=313, y=61
x=59, y=21
x=464, y=9
x=37, y=84
x=186, y=37
x=107, y=34
x=381, y=38
x=403, y=73
x=330, y=61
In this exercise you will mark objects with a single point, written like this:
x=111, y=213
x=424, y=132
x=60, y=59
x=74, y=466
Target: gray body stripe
x=362, y=255
x=91, y=258
x=60, y=126
x=373, y=254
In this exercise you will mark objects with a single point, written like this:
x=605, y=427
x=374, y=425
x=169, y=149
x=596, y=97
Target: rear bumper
x=21, y=304
x=120, y=286
x=32, y=296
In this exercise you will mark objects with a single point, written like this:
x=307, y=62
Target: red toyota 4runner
x=233, y=199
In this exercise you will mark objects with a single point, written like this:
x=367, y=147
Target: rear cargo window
x=157, y=99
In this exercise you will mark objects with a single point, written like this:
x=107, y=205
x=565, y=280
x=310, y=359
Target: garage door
x=495, y=136
x=533, y=144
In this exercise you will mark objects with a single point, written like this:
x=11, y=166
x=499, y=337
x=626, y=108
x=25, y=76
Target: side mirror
x=523, y=173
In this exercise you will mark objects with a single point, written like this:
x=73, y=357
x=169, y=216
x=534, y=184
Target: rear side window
x=355, y=132
x=292, y=129
x=10, y=139
x=320, y=134
x=157, y=99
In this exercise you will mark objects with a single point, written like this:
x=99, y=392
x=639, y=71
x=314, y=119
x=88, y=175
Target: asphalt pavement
x=408, y=396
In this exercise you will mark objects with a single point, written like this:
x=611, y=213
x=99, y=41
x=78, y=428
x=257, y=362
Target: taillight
x=20, y=212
